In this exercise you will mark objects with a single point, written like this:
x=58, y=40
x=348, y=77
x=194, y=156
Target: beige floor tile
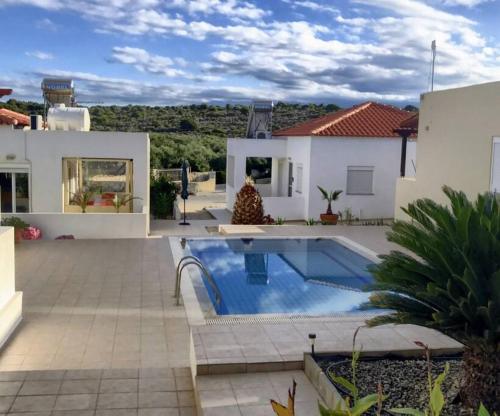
x=127, y=385
x=158, y=399
x=76, y=402
x=33, y=403
x=116, y=412
x=79, y=387
x=37, y=388
x=157, y=384
x=166, y=411
x=117, y=401
x=5, y=403
x=9, y=388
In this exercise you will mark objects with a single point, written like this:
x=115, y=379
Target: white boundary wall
x=89, y=225
x=11, y=302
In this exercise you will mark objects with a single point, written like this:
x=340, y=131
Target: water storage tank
x=61, y=117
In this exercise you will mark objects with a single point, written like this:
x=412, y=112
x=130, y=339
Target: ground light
x=312, y=340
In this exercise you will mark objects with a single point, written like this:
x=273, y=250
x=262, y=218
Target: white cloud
x=372, y=50
x=43, y=56
x=312, y=5
x=47, y=24
x=146, y=62
x=466, y=3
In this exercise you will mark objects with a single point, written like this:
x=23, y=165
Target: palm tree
x=450, y=283
x=330, y=197
x=122, y=200
x=82, y=199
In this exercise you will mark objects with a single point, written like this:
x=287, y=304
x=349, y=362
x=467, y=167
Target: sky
x=169, y=52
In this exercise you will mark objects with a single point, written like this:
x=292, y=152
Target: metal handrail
x=196, y=262
x=177, y=278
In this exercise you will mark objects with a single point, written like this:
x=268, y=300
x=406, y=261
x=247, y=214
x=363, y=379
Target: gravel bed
x=404, y=381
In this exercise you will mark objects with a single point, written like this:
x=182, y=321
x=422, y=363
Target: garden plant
x=449, y=279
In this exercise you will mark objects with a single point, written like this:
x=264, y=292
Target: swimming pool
x=299, y=276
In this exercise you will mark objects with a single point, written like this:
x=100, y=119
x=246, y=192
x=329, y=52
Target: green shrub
x=163, y=193
x=15, y=222
x=448, y=278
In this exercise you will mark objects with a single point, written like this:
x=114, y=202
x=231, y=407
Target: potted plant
x=19, y=226
x=329, y=217
x=82, y=199
x=120, y=201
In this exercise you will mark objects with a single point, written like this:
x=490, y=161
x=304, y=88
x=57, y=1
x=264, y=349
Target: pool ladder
x=195, y=261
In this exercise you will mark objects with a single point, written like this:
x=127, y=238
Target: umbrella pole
x=184, y=222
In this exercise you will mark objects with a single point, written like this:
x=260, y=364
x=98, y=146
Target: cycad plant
x=450, y=281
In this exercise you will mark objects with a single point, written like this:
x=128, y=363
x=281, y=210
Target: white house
x=41, y=172
x=355, y=150
x=458, y=145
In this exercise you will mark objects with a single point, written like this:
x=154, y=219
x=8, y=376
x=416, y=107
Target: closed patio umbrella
x=184, y=187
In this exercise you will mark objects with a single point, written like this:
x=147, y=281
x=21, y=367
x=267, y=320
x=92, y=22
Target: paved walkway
x=100, y=331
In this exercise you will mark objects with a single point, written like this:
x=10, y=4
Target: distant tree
x=188, y=124
x=411, y=108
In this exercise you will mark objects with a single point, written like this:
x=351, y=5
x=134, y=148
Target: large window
x=260, y=169
x=102, y=178
x=360, y=180
x=14, y=191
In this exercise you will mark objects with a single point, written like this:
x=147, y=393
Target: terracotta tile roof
x=369, y=119
x=13, y=118
x=5, y=91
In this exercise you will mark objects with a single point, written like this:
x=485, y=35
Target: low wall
x=290, y=208
x=406, y=192
x=10, y=300
x=89, y=225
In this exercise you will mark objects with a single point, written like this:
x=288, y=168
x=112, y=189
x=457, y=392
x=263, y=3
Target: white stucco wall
x=243, y=148
x=455, y=138
x=330, y=158
x=42, y=153
x=10, y=300
x=324, y=162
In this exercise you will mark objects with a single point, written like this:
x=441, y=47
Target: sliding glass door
x=14, y=190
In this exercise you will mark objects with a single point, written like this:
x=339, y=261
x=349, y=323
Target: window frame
x=300, y=178
x=129, y=184
x=359, y=168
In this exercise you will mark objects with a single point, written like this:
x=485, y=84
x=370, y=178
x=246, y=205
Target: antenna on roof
x=433, y=62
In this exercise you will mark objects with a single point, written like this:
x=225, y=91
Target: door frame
x=495, y=142
x=17, y=168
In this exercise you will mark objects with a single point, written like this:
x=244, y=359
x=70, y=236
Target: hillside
x=227, y=121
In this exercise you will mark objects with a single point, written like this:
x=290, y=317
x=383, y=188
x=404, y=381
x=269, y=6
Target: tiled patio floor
x=114, y=392
x=281, y=346
x=250, y=394
x=97, y=304
x=100, y=333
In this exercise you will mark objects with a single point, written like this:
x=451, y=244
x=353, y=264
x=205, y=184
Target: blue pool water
x=288, y=276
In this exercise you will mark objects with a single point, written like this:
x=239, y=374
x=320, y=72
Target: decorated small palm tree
x=329, y=217
x=451, y=283
x=248, y=207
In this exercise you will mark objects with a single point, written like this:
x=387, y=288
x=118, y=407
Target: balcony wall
x=10, y=300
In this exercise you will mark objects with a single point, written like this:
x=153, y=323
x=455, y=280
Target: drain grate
x=280, y=319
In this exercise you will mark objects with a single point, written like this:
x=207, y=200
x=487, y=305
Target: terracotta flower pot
x=329, y=218
x=18, y=235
